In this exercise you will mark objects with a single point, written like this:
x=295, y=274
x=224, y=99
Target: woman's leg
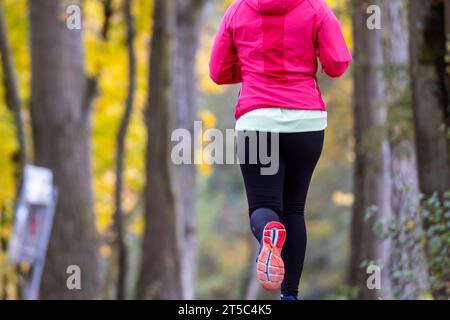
x=265, y=198
x=301, y=152
x=264, y=192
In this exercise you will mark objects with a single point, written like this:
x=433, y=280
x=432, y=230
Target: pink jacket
x=271, y=46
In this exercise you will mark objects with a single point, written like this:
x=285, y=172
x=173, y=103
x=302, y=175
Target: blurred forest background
x=98, y=105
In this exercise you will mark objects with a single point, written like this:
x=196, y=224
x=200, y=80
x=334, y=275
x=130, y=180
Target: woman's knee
x=270, y=206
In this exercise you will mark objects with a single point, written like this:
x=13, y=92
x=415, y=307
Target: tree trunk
x=372, y=163
x=187, y=32
x=160, y=275
x=429, y=25
x=404, y=178
x=61, y=127
x=430, y=82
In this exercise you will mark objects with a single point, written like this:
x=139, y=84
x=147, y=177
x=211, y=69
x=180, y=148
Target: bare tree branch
x=91, y=89
x=120, y=153
x=107, y=13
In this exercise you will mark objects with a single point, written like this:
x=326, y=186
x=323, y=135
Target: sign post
x=32, y=225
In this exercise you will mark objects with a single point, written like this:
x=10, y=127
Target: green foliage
x=425, y=235
x=436, y=216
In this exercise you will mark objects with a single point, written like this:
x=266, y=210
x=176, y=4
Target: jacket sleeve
x=332, y=50
x=224, y=64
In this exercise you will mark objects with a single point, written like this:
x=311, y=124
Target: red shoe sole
x=270, y=265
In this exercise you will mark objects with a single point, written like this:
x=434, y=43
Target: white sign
x=37, y=185
x=33, y=223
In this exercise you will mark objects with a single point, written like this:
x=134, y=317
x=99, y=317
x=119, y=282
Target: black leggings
x=283, y=194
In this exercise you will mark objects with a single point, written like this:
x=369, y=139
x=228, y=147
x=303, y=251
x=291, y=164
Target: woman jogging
x=272, y=46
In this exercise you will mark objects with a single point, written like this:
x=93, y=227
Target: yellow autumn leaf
x=208, y=118
x=342, y=199
x=104, y=221
x=105, y=250
x=410, y=224
x=137, y=226
x=205, y=84
x=205, y=169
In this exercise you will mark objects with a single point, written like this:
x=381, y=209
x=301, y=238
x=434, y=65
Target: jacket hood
x=273, y=7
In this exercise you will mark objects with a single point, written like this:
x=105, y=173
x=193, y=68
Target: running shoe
x=270, y=265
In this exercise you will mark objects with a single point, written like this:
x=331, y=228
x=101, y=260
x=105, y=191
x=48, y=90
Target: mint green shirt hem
x=282, y=120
